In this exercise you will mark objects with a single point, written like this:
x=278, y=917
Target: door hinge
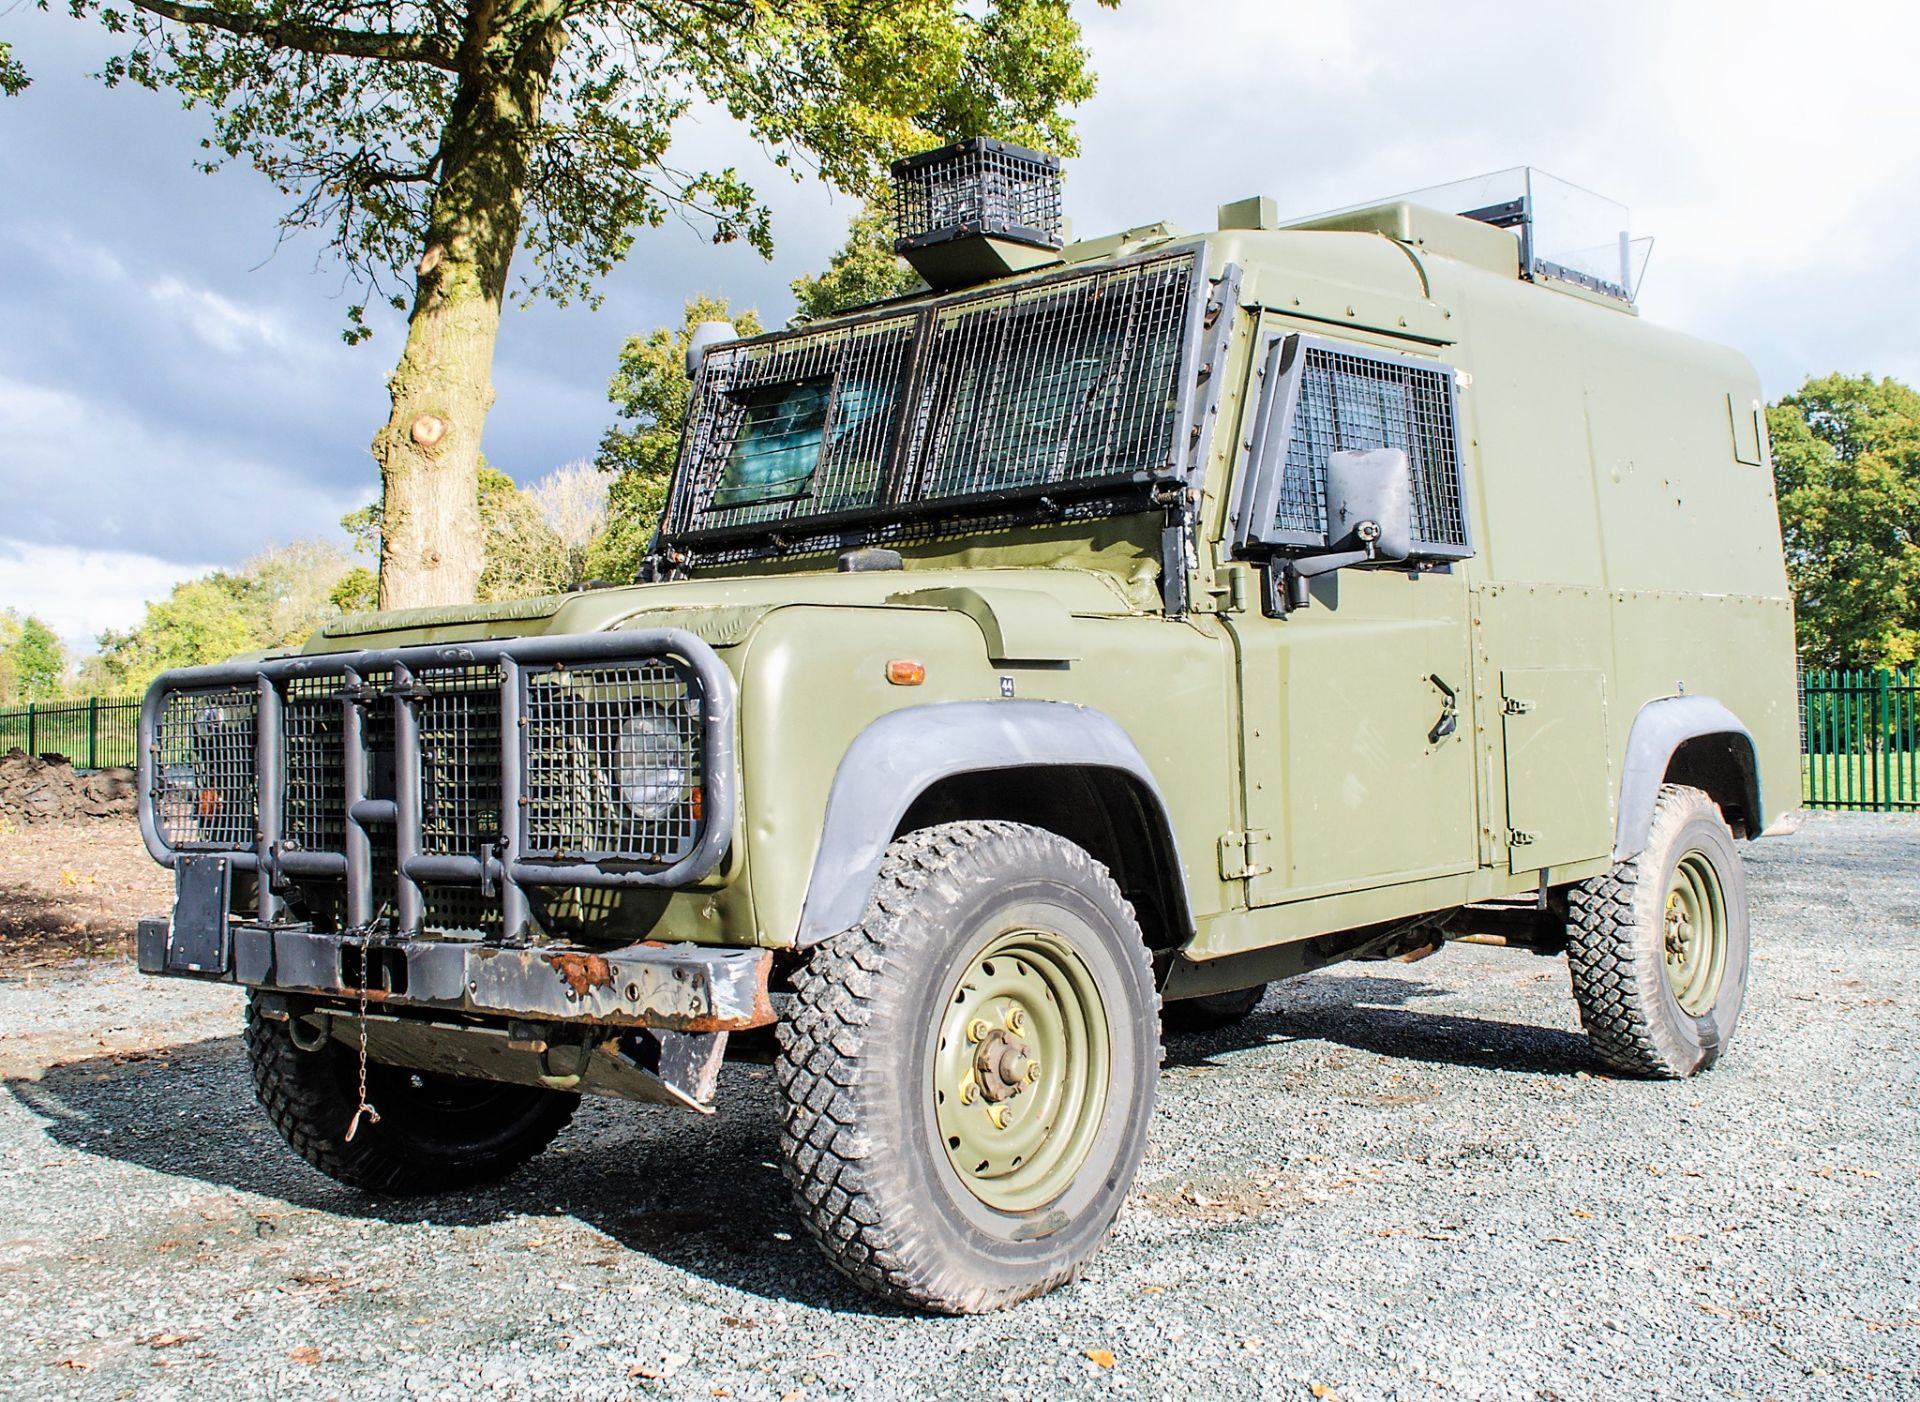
x=1514, y=706
x=1519, y=837
x=1240, y=855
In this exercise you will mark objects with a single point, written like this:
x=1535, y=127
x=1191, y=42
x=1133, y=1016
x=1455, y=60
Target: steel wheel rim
x=1694, y=933
x=1028, y=1009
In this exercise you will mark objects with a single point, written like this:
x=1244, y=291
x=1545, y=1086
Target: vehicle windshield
x=1061, y=387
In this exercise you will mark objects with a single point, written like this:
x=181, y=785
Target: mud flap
x=200, y=941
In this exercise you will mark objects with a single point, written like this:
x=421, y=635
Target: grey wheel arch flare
x=1659, y=730
x=901, y=755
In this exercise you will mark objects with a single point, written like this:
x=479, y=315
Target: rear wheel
x=969, y=1073
x=1658, y=946
x=435, y=1133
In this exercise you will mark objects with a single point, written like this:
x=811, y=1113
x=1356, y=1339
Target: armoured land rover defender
x=1116, y=624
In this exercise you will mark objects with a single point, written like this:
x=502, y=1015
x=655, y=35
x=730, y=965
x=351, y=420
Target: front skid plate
x=682, y=987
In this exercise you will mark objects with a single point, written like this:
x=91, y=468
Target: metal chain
x=365, y=935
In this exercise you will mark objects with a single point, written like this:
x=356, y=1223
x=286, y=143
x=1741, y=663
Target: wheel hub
x=1020, y=1070
x=1004, y=1064
x=1693, y=933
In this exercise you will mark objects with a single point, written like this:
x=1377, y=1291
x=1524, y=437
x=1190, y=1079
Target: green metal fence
x=1860, y=740
x=99, y=732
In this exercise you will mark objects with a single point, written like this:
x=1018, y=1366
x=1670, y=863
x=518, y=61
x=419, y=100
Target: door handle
x=1449, y=713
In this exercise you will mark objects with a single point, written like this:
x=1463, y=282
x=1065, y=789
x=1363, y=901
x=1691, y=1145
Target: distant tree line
x=1846, y=467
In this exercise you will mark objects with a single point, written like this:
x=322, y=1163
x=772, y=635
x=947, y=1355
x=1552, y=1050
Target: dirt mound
x=46, y=790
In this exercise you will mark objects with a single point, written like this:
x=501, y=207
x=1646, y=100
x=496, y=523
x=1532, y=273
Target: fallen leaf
x=306, y=1354
x=1153, y=1289
x=75, y=1364
x=720, y=1392
x=1565, y=1240
x=1324, y=1393
x=1582, y=1215
x=641, y=1370
x=792, y=1395
x=1717, y=1310
x=1102, y=1357
x=169, y=1340
x=822, y=1353
x=1253, y=1345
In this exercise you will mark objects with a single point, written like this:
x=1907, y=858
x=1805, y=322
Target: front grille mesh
x=202, y=788
x=1353, y=402
x=313, y=816
x=611, y=770
x=459, y=717
x=613, y=762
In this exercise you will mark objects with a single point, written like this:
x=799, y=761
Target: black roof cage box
x=977, y=187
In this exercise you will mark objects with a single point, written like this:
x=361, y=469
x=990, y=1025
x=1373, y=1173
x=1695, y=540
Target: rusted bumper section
x=677, y=987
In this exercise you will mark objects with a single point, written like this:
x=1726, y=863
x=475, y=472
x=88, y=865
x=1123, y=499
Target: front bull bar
x=510, y=868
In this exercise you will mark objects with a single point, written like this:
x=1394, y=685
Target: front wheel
x=1658, y=946
x=435, y=1133
x=969, y=1072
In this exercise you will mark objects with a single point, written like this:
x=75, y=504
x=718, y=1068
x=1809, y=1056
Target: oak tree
x=430, y=141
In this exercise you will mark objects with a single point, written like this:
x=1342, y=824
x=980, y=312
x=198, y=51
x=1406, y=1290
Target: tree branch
x=403, y=47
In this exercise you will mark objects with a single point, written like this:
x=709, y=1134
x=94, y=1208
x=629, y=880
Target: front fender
x=898, y=757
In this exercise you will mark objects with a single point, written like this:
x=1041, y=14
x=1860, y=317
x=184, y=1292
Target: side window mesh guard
x=1323, y=397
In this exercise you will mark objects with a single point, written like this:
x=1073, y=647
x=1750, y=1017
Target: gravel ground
x=1393, y=1181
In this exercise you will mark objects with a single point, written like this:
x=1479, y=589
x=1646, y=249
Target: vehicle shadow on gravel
x=1365, y=1013
x=700, y=1193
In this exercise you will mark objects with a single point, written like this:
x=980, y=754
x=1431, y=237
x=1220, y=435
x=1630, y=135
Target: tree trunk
x=429, y=452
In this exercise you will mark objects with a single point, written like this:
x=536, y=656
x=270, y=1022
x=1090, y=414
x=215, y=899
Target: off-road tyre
x=435, y=1133
x=861, y=1043
x=1212, y=1011
x=1617, y=947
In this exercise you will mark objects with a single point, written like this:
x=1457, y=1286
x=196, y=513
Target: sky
x=175, y=395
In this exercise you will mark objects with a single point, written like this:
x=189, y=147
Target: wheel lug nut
x=977, y=1029
x=1016, y=1019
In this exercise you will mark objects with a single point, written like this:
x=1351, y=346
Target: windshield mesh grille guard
x=1058, y=386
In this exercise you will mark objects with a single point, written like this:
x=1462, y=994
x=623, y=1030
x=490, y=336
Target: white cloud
x=88, y=475
x=1765, y=148
x=81, y=593
x=218, y=322
x=223, y=324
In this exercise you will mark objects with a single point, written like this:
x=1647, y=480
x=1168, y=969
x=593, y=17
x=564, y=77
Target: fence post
x=93, y=732
x=31, y=747
x=1883, y=744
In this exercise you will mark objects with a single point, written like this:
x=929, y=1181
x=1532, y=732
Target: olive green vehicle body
x=1625, y=550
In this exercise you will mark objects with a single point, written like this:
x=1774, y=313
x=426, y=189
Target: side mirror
x=1370, y=503
x=705, y=337
x=1369, y=518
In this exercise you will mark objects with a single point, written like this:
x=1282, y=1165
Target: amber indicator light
x=902, y=672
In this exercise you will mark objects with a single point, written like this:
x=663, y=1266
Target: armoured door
x=1357, y=691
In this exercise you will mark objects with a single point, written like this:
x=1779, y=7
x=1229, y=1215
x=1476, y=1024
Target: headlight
x=655, y=766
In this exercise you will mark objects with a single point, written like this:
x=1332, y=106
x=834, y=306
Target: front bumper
x=679, y=987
